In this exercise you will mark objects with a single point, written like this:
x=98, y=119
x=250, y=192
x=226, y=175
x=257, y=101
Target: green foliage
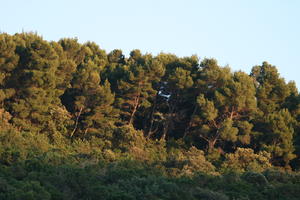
x=200, y=193
x=78, y=123
x=280, y=138
x=8, y=62
x=135, y=89
x=255, y=178
x=226, y=106
x=246, y=160
x=272, y=89
x=189, y=162
x=274, y=125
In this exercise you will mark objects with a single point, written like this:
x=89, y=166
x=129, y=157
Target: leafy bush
x=206, y=194
x=255, y=178
x=244, y=159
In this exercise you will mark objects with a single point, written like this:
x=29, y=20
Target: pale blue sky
x=240, y=33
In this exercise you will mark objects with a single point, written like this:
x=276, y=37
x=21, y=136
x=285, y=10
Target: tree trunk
x=169, y=118
x=76, y=123
x=149, y=132
x=135, y=106
x=190, y=123
x=211, y=144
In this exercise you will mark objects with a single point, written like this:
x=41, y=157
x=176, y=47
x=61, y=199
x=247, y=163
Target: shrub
x=244, y=159
x=255, y=178
x=206, y=194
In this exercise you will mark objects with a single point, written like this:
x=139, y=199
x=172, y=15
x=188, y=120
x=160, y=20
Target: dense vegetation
x=78, y=123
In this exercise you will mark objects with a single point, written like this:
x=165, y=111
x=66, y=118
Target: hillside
x=79, y=123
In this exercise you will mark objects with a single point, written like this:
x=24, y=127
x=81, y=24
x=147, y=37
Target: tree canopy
x=67, y=102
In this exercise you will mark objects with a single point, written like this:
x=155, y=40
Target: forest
x=77, y=122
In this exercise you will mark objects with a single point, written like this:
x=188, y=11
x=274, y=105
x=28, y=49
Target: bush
x=206, y=194
x=189, y=162
x=255, y=178
x=244, y=159
x=277, y=176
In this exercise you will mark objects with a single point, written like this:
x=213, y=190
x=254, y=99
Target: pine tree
x=136, y=85
x=278, y=138
x=271, y=89
x=274, y=126
x=225, y=106
x=35, y=84
x=175, y=93
x=73, y=50
x=8, y=62
x=89, y=101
